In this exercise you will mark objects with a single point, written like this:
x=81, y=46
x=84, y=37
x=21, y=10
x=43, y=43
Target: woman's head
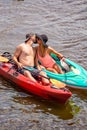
x=42, y=39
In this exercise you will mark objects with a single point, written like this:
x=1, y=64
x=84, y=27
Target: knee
x=27, y=73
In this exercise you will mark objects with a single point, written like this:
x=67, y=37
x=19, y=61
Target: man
x=24, y=55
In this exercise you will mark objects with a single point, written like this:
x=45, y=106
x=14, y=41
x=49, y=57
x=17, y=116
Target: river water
x=65, y=23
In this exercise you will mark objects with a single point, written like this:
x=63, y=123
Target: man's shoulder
x=22, y=44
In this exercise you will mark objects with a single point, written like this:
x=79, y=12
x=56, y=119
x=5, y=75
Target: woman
x=43, y=55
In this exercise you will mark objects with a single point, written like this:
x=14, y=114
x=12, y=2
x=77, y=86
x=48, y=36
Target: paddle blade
x=57, y=83
x=3, y=59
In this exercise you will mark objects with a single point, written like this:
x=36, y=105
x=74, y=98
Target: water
x=65, y=23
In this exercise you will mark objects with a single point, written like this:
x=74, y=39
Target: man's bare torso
x=27, y=55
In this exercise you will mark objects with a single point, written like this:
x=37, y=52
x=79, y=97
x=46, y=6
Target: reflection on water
x=65, y=23
x=62, y=111
x=19, y=106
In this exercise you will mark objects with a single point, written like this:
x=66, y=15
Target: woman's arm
x=51, y=50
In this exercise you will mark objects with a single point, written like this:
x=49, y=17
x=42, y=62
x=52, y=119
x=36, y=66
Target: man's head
x=30, y=36
x=42, y=39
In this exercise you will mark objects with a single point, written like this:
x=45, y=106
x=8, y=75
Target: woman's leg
x=58, y=69
x=52, y=70
x=44, y=80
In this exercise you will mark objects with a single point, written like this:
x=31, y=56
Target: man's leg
x=28, y=74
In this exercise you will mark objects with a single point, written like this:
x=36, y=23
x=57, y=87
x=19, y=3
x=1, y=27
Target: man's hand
x=20, y=65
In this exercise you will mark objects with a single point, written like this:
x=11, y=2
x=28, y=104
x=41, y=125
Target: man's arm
x=16, y=56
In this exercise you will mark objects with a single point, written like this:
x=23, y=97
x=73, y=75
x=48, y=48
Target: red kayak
x=8, y=71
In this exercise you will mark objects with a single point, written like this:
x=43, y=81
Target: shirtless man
x=24, y=55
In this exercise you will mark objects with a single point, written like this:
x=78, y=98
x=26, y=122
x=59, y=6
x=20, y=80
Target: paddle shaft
x=58, y=84
x=38, y=74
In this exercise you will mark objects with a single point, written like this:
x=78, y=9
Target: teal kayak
x=75, y=76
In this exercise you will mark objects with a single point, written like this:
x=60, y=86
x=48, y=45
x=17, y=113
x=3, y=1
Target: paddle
x=3, y=59
x=53, y=81
x=57, y=83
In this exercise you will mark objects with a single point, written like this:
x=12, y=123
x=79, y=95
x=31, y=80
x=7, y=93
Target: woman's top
x=47, y=61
